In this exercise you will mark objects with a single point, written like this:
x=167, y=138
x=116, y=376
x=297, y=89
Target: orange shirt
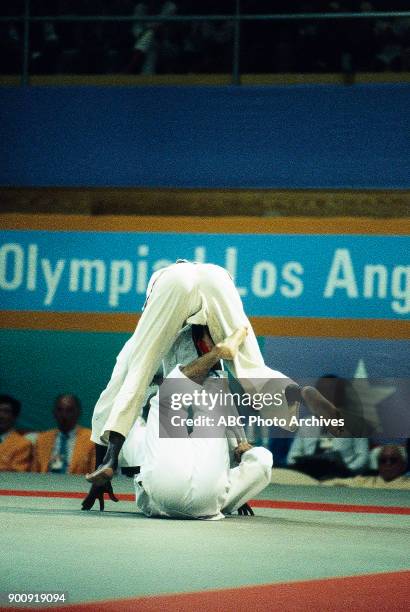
x=15, y=453
x=83, y=457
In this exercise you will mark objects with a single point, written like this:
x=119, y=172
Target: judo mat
x=306, y=548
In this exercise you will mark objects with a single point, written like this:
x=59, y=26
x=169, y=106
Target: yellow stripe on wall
x=263, y=326
x=212, y=225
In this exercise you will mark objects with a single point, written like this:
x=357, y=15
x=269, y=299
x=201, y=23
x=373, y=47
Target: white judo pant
x=188, y=477
x=202, y=294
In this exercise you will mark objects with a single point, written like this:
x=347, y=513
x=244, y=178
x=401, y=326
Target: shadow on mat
x=69, y=512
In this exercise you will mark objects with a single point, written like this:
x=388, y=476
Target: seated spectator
x=315, y=453
x=67, y=449
x=15, y=450
x=376, y=446
x=327, y=457
x=392, y=467
x=144, y=57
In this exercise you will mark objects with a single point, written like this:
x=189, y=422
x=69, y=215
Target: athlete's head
x=202, y=339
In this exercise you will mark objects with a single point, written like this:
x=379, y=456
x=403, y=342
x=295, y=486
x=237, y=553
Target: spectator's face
x=391, y=464
x=7, y=418
x=66, y=413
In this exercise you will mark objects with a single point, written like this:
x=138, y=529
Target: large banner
x=324, y=296
x=289, y=275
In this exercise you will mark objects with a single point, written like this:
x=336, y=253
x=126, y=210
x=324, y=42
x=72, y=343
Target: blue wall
x=256, y=137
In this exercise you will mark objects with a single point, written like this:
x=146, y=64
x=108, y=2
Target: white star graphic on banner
x=370, y=395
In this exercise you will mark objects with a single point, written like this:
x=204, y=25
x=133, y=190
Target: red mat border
x=367, y=592
x=257, y=503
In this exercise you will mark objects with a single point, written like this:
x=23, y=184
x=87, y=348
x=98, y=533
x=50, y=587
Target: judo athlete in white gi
x=180, y=294
x=188, y=476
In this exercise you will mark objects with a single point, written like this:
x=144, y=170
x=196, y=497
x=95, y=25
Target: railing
x=237, y=18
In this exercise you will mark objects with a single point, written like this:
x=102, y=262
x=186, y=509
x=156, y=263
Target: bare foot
x=228, y=348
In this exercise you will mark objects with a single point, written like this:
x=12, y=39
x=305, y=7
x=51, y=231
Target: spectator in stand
x=377, y=445
x=144, y=58
x=11, y=38
x=67, y=449
x=15, y=450
x=363, y=41
x=389, y=46
x=208, y=47
x=392, y=467
x=312, y=45
x=326, y=457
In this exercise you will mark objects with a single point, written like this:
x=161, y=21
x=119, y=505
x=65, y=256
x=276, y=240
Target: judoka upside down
x=180, y=294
